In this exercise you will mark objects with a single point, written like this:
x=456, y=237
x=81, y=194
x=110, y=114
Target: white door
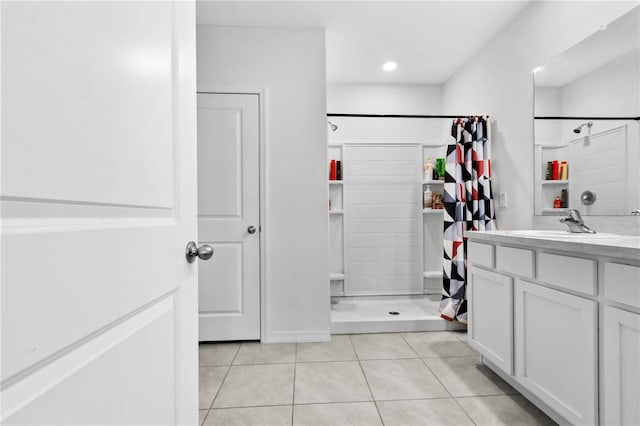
x=99, y=322
x=229, y=216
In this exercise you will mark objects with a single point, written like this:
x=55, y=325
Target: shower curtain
x=468, y=205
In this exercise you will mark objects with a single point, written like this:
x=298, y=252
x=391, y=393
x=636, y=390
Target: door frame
x=261, y=92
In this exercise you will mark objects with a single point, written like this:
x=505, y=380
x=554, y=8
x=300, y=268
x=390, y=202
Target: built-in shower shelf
x=433, y=274
x=552, y=212
x=335, y=182
x=555, y=182
x=432, y=211
x=335, y=276
x=432, y=182
x=336, y=211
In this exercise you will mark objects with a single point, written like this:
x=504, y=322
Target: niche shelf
x=432, y=274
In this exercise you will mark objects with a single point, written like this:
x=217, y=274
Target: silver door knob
x=204, y=252
x=251, y=229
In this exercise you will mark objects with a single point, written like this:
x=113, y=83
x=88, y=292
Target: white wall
x=385, y=99
x=290, y=65
x=498, y=81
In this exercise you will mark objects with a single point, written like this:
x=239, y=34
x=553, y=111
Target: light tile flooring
x=429, y=378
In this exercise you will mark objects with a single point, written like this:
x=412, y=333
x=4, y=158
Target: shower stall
x=386, y=249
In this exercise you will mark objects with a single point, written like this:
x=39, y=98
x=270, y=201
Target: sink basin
x=539, y=233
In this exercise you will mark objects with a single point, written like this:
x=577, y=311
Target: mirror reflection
x=587, y=124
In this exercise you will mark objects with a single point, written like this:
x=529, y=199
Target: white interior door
x=98, y=203
x=229, y=216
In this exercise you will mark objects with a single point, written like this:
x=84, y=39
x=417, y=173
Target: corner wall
x=290, y=65
x=499, y=81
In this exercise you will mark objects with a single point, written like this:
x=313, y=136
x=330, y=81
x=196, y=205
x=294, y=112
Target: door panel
x=491, y=316
x=229, y=202
x=620, y=388
x=556, y=328
x=98, y=203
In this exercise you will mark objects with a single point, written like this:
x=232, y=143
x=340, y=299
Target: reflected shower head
x=333, y=126
x=579, y=128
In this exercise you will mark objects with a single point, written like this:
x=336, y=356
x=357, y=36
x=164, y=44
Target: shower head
x=333, y=126
x=579, y=128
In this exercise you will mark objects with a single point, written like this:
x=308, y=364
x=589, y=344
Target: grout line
x=366, y=381
x=293, y=392
x=409, y=344
x=448, y=391
x=223, y=379
x=219, y=388
x=204, y=419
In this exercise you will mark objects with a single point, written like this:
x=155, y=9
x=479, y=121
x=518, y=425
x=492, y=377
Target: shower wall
x=381, y=243
x=382, y=219
x=385, y=99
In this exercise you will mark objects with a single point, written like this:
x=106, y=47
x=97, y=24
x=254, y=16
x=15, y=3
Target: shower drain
x=394, y=313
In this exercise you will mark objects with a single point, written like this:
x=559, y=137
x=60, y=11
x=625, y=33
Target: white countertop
x=606, y=245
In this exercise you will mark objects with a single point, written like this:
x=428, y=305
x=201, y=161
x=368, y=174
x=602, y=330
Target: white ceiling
x=429, y=40
x=616, y=40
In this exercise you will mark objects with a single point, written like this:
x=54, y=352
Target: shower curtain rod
x=584, y=118
x=333, y=114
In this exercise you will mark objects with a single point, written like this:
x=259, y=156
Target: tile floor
x=428, y=378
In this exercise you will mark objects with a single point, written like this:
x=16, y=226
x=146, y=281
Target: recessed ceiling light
x=389, y=66
x=536, y=69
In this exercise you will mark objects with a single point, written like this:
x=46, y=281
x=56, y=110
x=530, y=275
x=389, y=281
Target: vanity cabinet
x=621, y=365
x=621, y=348
x=555, y=347
x=490, y=325
x=559, y=321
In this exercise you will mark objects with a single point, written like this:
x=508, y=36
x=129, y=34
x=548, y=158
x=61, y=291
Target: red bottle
x=333, y=170
x=556, y=170
x=557, y=203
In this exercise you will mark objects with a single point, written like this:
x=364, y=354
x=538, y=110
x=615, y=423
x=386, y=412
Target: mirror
x=587, y=114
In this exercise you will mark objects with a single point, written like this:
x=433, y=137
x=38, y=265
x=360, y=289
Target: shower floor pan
x=388, y=314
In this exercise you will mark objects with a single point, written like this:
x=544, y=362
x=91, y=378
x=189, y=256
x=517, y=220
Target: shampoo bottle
x=427, y=204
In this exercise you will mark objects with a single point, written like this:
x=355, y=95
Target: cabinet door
x=490, y=299
x=621, y=377
x=556, y=350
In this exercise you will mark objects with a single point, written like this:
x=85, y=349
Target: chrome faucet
x=575, y=223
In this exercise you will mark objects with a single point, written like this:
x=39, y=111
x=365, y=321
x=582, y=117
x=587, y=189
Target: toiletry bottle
x=428, y=169
x=557, y=203
x=549, y=173
x=427, y=204
x=564, y=171
x=332, y=170
x=338, y=170
x=564, y=199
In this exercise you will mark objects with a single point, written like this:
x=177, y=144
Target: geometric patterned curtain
x=468, y=205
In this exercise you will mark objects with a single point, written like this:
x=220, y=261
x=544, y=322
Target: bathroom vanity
x=557, y=315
